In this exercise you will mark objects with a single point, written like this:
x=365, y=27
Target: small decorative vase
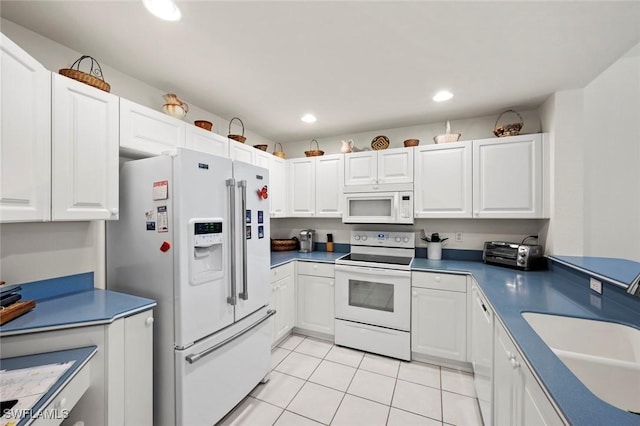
x=174, y=106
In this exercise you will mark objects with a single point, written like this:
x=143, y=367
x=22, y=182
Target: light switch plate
x=595, y=285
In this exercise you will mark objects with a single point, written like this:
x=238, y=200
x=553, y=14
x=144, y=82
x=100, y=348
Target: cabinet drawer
x=317, y=269
x=282, y=271
x=449, y=282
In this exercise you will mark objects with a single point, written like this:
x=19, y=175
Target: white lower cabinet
x=121, y=374
x=316, y=297
x=283, y=300
x=439, y=315
x=518, y=399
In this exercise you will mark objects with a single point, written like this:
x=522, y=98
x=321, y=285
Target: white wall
x=472, y=128
x=612, y=161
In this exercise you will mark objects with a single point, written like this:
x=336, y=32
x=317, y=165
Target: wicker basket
x=280, y=153
x=511, y=129
x=380, y=142
x=238, y=138
x=261, y=147
x=93, y=78
x=314, y=152
x=284, y=245
x=411, y=142
x=204, y=124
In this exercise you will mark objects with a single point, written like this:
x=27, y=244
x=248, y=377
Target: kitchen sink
x=605, y=356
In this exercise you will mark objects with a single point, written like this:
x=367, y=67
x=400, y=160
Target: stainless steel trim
x=196, y=357
x=231, y=184
x=244, y=295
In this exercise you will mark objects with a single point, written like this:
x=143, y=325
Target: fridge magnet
x=161, y=190
x=248, y=233
x=151, y=225
x=260, y=231
x=163, y=219
x=248, y=216
x=263, y=193
x=260, y=216
x=149, y=215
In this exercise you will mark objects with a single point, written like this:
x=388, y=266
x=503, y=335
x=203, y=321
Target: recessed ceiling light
x=308, y=118
x=443, y=95
x=163, y=9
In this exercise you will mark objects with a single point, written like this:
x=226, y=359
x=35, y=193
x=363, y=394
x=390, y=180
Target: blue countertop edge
x=279, y=258
x=81, y=356
x=71, y=301
x=563, y=289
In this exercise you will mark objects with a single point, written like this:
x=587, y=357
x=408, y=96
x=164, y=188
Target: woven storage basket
x=280, y=153
x=412, y=142
x=239, y=138
x=447, y=136
x=511, y=129
x=261, y=147
x=204, y=124
x=380, y=142
x=92, y=78
x=284, y=245
x=314, y=152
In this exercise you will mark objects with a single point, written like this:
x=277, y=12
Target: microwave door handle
x=231, y=184
x=244, y=295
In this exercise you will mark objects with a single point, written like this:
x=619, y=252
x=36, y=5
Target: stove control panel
x=383, y=239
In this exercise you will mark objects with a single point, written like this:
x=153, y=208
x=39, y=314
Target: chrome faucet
x=634, y=287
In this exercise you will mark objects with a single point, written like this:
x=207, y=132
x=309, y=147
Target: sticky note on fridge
x=248, y=232
x=248, y=216
x=161, y=190
x=260, y=231
x=260, y=217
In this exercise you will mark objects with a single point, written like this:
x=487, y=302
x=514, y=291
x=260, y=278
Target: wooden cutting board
x=15, y=310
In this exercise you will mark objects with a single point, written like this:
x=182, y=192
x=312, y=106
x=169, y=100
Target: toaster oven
x=521, y=256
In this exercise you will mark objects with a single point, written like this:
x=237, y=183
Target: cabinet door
x=206, y=141
x=439, y=323
x=25, y=147
x=241, y=152
x=504, y=390
x=535, y=408
x=395, y=165
x=361, y=168
x=138, y=369
x=302, y=187
x=146, y=132
x=285, y=307
x=443, y=179
x=316, y=304
x=329, y=178
x=507, y=177
x=261, y=158
x=278, y=186
x=84, y=152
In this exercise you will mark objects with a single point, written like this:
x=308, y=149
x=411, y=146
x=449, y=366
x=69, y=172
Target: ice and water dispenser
x=206, y=262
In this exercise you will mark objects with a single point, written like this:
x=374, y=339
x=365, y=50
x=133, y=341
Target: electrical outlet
x=595, y=285
x=459, y=237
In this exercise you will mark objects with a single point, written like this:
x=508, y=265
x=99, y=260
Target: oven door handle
x=373, y=271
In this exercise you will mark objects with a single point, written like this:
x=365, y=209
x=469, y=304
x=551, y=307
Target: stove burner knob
x=405, y=239
x=398, y=239
x=364, y=238
x=356, y=237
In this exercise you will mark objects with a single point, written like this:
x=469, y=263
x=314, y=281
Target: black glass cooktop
x=377, y=258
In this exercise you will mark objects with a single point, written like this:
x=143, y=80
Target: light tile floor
x=314, y=382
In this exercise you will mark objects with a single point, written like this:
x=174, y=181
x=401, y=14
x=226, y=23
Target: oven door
x=374, y=296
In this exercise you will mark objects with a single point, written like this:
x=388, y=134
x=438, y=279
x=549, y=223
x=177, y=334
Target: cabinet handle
x=149, y=321
x=476, y=213
x=331, y=283
x=437, y=278
x=514, y=363
x=315, y=267
x=114, y=212
x=61, y=403
x=415, y=294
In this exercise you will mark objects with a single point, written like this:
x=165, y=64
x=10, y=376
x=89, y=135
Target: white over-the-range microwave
x=390, y=203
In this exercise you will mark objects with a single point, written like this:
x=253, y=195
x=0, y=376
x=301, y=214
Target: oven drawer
x=437, y=281
x=316, y=269
x=383, y=341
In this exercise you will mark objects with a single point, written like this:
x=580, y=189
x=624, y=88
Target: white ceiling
x=358, y=65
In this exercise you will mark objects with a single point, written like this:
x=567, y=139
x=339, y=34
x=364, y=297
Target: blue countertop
x=80, y=356
x=79, y=305
x=279, y=258
x=620, y=271
x=561, y=290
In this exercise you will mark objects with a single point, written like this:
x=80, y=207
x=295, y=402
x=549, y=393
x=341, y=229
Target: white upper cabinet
x=241, y=152
x=278, y=186
x=206, y=141
x=508, y=177
x=25, y=147
x=329, y=178
x=378, y=167
x=301, y=200
x=443, y=180
x=395, y=165
x=84, y=152
x=146, y=132
x=261, y=158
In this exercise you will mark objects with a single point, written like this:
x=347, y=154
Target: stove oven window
x=371, y=295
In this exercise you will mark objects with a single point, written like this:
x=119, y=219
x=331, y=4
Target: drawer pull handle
x=61, y=403
x=149, y=321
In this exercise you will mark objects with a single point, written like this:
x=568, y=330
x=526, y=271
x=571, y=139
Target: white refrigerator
x=194, y=235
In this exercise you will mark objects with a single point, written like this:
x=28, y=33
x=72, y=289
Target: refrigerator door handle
x=231, y=184
x=244, y=295
x=196, y=357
